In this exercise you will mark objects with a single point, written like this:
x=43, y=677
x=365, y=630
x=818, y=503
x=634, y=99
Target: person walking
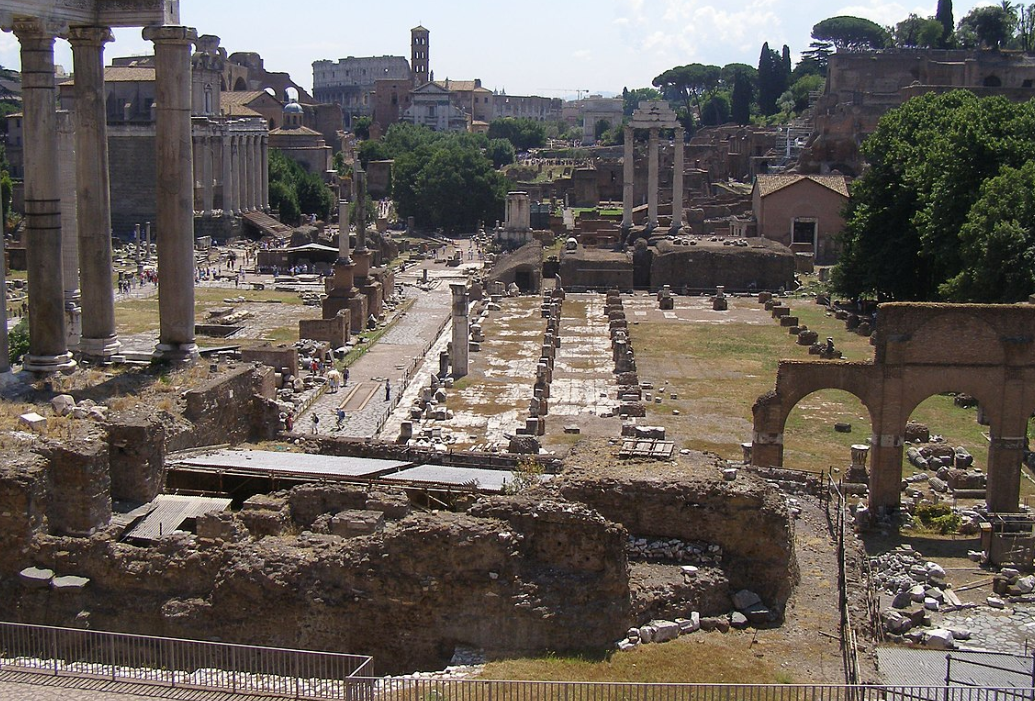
x=341, y=418
x=388, y=390
x=316, y=423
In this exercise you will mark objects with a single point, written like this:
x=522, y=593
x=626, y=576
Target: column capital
x=90, y=36
x=37, y=28
x=170, y=34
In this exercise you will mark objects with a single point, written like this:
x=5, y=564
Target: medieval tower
x=419, y=55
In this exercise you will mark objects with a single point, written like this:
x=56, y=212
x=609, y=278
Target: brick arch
x=987, y=351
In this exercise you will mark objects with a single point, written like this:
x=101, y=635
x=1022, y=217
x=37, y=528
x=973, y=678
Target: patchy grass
x=734, y=658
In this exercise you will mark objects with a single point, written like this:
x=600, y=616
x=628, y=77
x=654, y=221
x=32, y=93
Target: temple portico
x=652, y=116
x=86, y=24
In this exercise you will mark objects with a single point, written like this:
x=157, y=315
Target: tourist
x=334, y=380
x=341, y=418
x=316, y=423
x=388, y=390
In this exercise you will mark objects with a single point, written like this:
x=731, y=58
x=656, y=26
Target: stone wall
x=762, y=265
x=136, y=459
x=748, y=520
x=281, y=357
x=131, y=154
x=78, y=487
x=23, y=504
x=224, y=410
x=334, y=331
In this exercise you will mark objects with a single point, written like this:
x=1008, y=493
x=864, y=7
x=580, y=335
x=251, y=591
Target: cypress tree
x=944, y=17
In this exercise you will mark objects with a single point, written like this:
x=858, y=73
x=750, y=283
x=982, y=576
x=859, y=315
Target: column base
x=176, y=352
x=675, y=229
x=99, y=350
x=73, y=324
x=48, y=364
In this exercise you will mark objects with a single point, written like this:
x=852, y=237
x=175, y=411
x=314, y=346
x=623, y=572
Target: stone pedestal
x=175, y=191
x=48, y=342
x=857, y=470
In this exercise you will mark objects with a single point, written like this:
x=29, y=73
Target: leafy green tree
x=997, y=241
x=361, y=127
x=631, y=99
x=914, y=31
x=284, y=199
x=944, y=17
x=989, y=27
x=686, y=84
x=914, y=223
x=742, y=95
x=524, y=133
x=314, y=197
x=294, y=191
x=802, y=89
x=18, y=341
x=501, y=152
x=373, y=151
x=1025, y=37
x=851, y=33
x=716, y=109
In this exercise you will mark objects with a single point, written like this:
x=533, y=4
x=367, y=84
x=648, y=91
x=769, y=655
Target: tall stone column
x=99, y=340
x=48, y=344
x=237, y=167
x=229, y=203
x=175, y=191
x=343, y=231
x=628, y=175
x=256, y=179
x=652, y=180
x=264, y=174
x=247, y=202
x=207, y=194
x=677, y=180
x=69, y=229
x=461, y=330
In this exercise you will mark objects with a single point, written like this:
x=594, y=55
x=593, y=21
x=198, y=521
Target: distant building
x=433, y=106
x=802, y=212
x=594, y=109
x=305, y=146
x=350, y=82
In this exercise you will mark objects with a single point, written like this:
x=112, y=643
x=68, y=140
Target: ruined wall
x=746, y=518
x=587, y=269
x=78, y=487
x=763, y=265
x=334, y=331
x=224, y=411
x=23, y=504
x=136, y=459
x=514, y=577
x=131, y=154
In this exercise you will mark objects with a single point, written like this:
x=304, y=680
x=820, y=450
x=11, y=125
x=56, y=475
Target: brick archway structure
x=987, y=351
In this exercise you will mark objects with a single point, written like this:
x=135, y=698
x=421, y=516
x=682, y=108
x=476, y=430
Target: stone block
x=69, y=584
x=664, y=631
x=745, y=598
x=36, y=577
x=62, y=404
x=80, y=488
x=351, y=523
x=34, y=422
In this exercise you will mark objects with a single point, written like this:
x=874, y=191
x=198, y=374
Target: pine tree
x=740, y=100
x=944, y=17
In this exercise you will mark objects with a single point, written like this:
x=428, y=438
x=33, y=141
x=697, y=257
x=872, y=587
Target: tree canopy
x=293, y=191
x=853, y=33
x=631, y=99
x=942, y=213
x=522, y=132
x=446, y=180
x=990, y=26
x=920, y=32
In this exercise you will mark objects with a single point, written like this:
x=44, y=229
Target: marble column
x=48, y=344
x=652, y=180
x=256, y=179
x=99, y=340
x=175, y=211
x=264, y=175
x=207, y=194
x=69, y=229
x=628, y=175
x=246, y=173
x=236, y=158
x=229, y=203
x=343, y=231
x=461, y=330
x=677, y=180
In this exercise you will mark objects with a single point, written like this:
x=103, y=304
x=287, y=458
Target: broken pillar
x=461, y=330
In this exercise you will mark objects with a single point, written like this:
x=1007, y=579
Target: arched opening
x=821, y=429
x=941, y=432
x=240, y=84
x=992, y=81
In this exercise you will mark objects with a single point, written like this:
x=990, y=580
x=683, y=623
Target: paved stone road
x=397, y=357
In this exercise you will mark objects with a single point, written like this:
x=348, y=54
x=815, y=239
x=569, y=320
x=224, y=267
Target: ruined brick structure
x=986, y=351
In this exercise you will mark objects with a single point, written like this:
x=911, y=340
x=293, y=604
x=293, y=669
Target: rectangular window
x=804, y=232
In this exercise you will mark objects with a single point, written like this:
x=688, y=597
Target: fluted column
x=99, y=340
x=264, y=175
x=255, y=179
x=677, y=180
x=249, y=173
x=229, y=203
x=628, y=173
x=175, y=211
x=48, y=345
x=652, y=180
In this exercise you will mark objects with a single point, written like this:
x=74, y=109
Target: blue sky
x=552, y=48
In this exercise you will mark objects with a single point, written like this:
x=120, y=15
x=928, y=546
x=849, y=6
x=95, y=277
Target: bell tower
x=419, y=55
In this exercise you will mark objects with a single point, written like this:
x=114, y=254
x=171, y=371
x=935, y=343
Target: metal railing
x=173, y=662
x=477, y=690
